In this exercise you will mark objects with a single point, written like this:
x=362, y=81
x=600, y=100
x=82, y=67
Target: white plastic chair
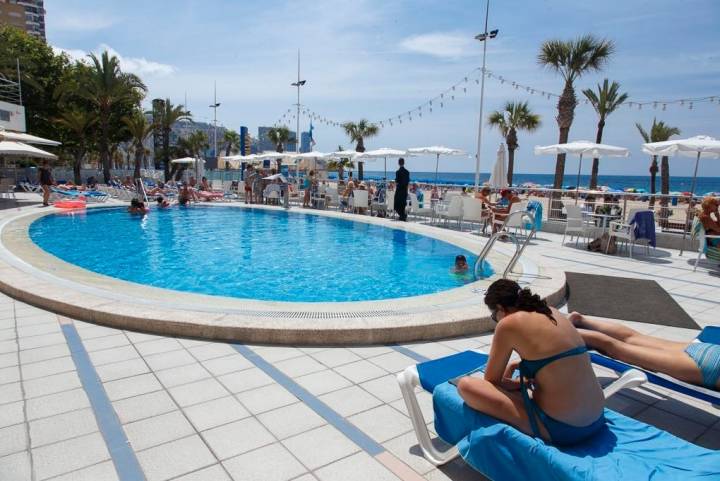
x=516, y=222
x=359, y=200
x=390, y=201
x=624, y=232
x=418, y=211
x=576, y=224
x=698, y=232
x=473, y=211
x=454, y=211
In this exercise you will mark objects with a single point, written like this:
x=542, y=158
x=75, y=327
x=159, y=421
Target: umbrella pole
x=577, y=184
x=437, y=162
x=385, y=167
x=690, y=202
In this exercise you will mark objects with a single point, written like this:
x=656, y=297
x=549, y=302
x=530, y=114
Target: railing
x=502, y=233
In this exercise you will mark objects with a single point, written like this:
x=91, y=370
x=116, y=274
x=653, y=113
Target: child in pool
x=137, y=207
x=461, y=265
x=162, y=202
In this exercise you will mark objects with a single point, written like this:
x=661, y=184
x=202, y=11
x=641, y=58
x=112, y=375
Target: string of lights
x=471, y=79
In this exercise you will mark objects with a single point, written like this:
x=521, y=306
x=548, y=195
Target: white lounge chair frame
x=409, y=380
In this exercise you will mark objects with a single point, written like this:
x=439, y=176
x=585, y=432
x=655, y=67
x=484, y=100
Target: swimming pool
x=253, y=253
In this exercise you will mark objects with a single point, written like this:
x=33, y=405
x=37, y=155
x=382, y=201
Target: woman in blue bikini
x=557, y=396
x=694, y=362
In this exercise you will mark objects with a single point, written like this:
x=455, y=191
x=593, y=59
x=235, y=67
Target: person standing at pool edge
x=46, y=180
x=402, y=181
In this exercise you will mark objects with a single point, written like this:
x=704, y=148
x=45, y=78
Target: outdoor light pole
x=298, y=84
x=214, y=106
x=483, y=37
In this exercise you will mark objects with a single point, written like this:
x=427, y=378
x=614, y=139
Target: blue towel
x=644, y=222
x=625, y=449
x=537, y=211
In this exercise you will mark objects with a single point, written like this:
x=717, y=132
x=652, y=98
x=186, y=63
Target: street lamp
x=298, y=84
x=483, y=37
x=215, y=106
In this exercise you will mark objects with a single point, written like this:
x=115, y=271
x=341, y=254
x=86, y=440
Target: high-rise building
x=305, y=142
x=28, y=15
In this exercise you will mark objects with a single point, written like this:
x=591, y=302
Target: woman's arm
x=500, y=353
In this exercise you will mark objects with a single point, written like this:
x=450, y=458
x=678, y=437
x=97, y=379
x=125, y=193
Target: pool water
x=253, y=253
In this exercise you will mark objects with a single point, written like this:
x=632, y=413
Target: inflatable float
x=70, y=204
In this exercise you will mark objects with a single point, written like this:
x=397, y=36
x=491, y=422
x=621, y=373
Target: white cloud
x=440, y=44
x=137, y=65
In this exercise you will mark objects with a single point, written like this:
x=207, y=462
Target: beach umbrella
x=26, y=138
x=699, y=146
x=498, y=177
x=437, y=151
x=580, y=148
x=382, y=153
x=19, y=149
x=343, y=154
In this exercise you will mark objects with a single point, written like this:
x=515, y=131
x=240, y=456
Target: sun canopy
x=26, y=138
x=343, y=154
x=583, y=147
x=276, y=176
x=187, y=161
x=8, y=147
x=706, y=146
x=383, y=153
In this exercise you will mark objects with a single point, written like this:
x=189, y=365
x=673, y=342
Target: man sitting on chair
x=503, y=208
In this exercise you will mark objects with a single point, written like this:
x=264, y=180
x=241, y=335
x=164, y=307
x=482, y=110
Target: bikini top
x=530, y=367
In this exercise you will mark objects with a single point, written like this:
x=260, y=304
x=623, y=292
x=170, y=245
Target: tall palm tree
x=232, y=142
x=106, y=87
x=191, y=146
x=340, y=165
x=358, y=132
x=572, y=59
x=168, y=116
x=140, y=129
x=279, y=136
x=78, y=123
x=515, y=116
x=607, y=99
x=659, y=132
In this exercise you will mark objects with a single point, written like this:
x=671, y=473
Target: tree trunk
x=596, y=161
x=76, y=167
x=361, y=165
x=512, y=144
x=341, y=172
x=166, y=154
x=361, y=170
x=653, y=176
x=665, y=175
x=139, y=154
x=566, y=113
x=105, y=151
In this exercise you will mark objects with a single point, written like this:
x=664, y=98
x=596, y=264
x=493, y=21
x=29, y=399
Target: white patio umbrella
x=498, y=177
x=9, y=147
x=26, y=138
x=382, y=153
x=580, y=148
x=436, y=150
x=699, y=146
x=343, y=154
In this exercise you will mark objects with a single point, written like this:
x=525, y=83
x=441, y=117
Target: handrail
x=501, y=233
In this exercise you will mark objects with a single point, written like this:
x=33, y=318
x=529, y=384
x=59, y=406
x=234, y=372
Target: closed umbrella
x=436, y=150
x=498, y=177
x=580, y=148
x=382, y=153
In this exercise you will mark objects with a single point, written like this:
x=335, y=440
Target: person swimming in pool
x=137, y=207
x=694, y=362
x=557, y=396
x=162, y=202
x=461, y=265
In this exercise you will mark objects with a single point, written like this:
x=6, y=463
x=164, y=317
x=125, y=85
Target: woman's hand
x=508, y=383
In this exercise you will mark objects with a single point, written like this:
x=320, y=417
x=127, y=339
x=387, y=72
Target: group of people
x=556, y=395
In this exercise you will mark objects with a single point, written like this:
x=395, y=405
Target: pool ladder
x=519, y=248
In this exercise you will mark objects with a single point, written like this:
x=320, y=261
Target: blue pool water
x=256, y=254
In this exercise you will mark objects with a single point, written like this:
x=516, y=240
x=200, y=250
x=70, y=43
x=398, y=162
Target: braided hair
x=508, y=294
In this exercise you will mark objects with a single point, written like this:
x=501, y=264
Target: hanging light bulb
x=441, y=105
x=465, y=79
x=655, y=105
x=442, y=95
x=430, y=109
x=431, y=102
x=664, y=106
x=464, y=90
x=477, y=81
x=691, y=106
x=682, y=102
x=453, y=87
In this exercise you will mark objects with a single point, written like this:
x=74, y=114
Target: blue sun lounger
x=709, y=334
x=625, y=449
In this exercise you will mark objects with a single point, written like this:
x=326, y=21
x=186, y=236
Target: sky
x=377, y=59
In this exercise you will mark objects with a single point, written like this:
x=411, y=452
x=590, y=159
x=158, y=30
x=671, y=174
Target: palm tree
x=79, y=123
x=191, y=146
x=358, y=132
x=515, y=116
x=168, y=116
x=232, y=142
x=140, y=129
x=605, y=102
x=659, y=132
x=571, y=59
x=279, y=136
x=106, y=87
x=340, y=165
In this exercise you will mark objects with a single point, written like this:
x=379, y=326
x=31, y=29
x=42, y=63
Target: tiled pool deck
x=85, y=402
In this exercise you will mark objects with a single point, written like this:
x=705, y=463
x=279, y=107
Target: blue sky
x=379, y=58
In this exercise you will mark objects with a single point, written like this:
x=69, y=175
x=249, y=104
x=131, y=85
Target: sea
x=619, y=182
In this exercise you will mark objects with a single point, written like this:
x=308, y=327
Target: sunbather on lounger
x=567, y=402
x=695, y=362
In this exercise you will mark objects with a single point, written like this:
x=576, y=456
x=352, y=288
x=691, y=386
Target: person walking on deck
x=402, y=181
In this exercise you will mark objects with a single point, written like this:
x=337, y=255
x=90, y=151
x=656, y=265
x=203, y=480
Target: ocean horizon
x=620, y=182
